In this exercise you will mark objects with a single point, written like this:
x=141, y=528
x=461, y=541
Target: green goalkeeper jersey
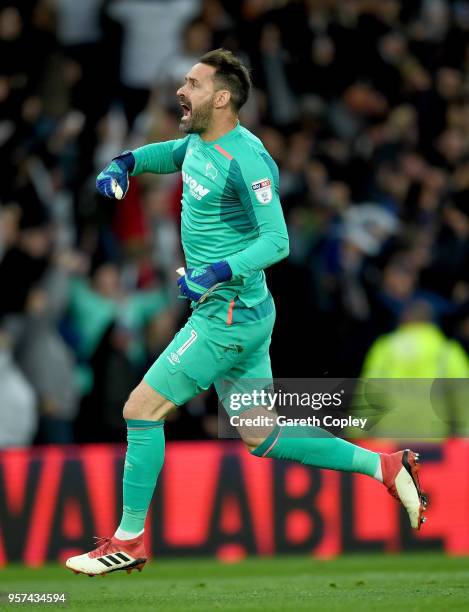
x=230, y=206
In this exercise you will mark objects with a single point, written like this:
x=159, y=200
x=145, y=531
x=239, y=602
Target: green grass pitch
x=410, y=582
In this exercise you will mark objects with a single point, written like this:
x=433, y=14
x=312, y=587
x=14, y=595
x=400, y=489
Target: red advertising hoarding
x=214, y=498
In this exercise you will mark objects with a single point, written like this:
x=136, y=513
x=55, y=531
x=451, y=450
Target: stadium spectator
x=417, y=349
x=151, y=35
x=46, y=361
x=94, y=306
x=18, y=415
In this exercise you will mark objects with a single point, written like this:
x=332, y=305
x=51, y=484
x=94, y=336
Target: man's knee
x=251, y=443
x=255, y=435
x=146, y=403
x=130, y=406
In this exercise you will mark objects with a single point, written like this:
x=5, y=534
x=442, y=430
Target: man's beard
x=200, y=119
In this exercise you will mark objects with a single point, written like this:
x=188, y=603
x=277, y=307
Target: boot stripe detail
x=110, y=560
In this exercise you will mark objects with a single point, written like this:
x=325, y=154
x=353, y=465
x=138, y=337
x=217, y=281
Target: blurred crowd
x=364, y=106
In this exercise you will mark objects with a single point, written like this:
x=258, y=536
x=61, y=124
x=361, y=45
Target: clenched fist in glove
x=113, y=181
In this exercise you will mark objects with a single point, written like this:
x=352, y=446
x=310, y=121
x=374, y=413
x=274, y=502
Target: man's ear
x=222, y=98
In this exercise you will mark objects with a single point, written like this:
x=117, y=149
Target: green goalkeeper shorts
x=221, y=341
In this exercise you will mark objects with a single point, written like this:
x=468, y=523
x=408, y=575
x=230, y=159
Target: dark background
x=362, y=104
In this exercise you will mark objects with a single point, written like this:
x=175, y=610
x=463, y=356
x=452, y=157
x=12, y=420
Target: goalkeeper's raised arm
x=159, y=158
x=252, y=176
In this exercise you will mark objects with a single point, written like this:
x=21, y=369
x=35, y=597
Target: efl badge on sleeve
x=263, y=190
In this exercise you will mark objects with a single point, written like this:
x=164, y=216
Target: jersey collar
x=222, y=139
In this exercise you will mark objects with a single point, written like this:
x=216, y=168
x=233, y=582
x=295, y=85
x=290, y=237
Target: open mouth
x=186, y=111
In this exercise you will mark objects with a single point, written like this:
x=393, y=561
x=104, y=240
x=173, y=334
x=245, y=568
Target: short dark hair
x=231, y=73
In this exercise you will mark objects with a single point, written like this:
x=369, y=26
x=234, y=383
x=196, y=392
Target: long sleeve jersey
x=230, y=205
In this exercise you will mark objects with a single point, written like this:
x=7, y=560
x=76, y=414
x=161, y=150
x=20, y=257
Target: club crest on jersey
x=263, y=190
x=211, y=171
x=197, y=190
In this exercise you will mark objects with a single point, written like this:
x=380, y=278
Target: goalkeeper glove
x=198, y=283
x=113, y=181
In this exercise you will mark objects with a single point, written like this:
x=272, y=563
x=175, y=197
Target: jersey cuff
x=222, y=271
x=127, y=159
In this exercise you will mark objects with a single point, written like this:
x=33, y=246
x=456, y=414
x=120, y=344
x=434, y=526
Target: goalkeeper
x=232, y=228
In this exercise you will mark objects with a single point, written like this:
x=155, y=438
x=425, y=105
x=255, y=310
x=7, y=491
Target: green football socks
x=307, y=445
x=143, y=463
x=317, y=447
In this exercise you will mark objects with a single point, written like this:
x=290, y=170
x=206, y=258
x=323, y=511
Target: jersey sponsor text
x=197, y=190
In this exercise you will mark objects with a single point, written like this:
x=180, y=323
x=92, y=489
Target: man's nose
x=180, y=91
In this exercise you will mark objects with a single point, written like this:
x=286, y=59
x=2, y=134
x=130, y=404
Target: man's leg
x=144, y=412
x=309, y=445
x=317, y=447
x=197, y=355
